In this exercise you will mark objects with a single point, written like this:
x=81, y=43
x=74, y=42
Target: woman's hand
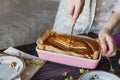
x=108, y=46
x=75, y=8
x=105, y=35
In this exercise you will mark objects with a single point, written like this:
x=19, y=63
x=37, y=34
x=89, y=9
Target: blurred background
x=24, y=21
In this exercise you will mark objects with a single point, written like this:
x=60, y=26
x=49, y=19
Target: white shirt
x=92, y=19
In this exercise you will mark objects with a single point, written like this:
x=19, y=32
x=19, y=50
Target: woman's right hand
x=75, y=8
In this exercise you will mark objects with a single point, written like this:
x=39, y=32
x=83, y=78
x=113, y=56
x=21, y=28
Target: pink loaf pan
x=68, y=59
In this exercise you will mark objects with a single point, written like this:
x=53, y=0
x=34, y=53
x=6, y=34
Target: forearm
x=112, y=22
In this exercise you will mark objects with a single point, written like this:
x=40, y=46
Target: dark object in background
x=90, y=34
x=116, y=37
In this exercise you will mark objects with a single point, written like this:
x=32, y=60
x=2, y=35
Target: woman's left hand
x=107, y=43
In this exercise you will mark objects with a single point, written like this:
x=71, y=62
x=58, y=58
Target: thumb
x=103, y=45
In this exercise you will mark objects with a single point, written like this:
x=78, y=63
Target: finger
x=78, y=9
x=70, y=6
x=71, y=9
x=103, y=45
x=111, y=46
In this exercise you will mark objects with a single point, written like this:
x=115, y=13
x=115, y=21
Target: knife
x=71, y=37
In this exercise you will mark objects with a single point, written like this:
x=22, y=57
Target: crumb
x=12, y=64
x=20, y=54
x=64, y=74
x=69, y=78
x=119, y=61
x=82, y=70
x=94, y=77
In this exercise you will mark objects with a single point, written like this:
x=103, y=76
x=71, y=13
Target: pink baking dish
x=67, y=59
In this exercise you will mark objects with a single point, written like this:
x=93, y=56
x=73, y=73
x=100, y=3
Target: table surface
x=53, y=71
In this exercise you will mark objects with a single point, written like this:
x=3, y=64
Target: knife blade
x=71, y=37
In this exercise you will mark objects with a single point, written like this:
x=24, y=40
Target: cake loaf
x=80, y=46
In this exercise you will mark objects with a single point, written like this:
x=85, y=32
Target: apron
x=85, y=22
